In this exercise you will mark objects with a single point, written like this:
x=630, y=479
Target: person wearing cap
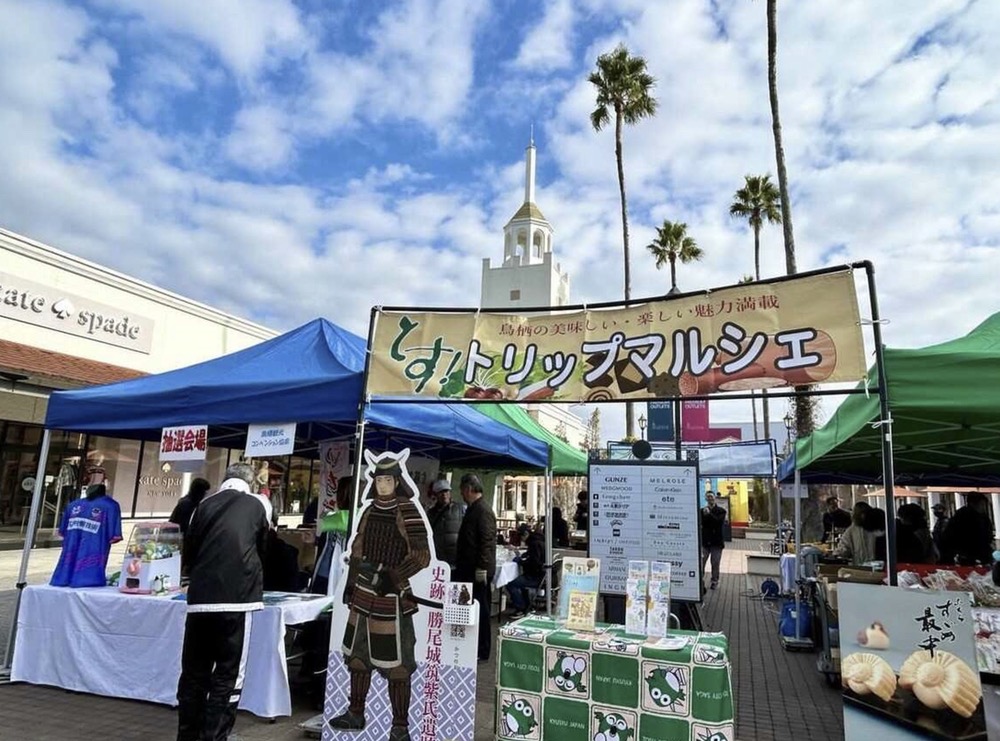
x=390, y=546
x=940, y=523
x=445, y=518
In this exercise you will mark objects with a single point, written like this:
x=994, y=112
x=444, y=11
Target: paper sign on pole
x=269, y=440
x=183, y=443
x=334, y=464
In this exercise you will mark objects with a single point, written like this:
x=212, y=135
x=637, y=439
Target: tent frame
x=884, y=423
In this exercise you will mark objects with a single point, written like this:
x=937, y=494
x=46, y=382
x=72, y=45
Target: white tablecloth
x=108, y=643
x=506, y=573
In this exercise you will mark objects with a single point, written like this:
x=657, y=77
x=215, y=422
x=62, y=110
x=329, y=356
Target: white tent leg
x=29, y=542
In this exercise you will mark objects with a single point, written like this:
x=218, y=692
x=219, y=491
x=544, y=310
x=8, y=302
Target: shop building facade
x=66, y=322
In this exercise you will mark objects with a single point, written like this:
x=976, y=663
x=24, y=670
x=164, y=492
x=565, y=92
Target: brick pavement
x=779, y=695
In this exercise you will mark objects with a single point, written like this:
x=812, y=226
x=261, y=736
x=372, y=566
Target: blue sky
x=284, y=160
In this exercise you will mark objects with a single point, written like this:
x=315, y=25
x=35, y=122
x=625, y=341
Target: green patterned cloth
x=611, y=686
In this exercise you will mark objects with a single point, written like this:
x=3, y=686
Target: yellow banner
x=753, y=336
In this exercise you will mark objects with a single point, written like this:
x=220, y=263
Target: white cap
x=441, y=485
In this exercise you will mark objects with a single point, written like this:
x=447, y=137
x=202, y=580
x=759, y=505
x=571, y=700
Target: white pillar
x=958, y=500
x=933, y=498
x=995, y=501
x=529, y=174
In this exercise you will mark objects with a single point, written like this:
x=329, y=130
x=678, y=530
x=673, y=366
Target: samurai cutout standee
x=395, y=642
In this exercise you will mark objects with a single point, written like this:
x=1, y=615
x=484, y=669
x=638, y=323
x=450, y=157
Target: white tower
x=528, y=276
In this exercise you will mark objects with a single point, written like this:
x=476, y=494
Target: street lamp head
x=642, y=421
x=789, y=420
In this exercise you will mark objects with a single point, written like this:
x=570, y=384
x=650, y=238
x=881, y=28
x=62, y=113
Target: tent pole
x=548, y=541
x=359, y=435
x=798, y=549
x=29, y=542
x=885, y=427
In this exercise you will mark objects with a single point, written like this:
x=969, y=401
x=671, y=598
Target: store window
x=116, y=463
x=161, y=485
x=301, y=473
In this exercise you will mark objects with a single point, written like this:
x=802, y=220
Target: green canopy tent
x=564, y=459
x=944, y=401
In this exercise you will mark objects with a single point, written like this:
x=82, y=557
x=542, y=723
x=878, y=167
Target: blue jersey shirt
x=88, y=528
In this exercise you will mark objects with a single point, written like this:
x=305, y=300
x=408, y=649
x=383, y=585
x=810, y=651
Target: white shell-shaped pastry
x=865, y=674
x=942, y=680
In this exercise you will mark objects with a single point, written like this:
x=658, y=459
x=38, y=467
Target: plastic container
x=152, y=563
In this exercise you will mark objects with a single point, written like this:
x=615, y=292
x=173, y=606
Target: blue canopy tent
x=312, y=375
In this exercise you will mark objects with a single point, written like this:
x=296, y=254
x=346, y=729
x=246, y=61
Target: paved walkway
x=780, y=696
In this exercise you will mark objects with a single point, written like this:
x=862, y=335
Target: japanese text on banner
x=789, y=333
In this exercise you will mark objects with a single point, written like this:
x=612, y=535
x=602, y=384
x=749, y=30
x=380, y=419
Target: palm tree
x=747, y=278
x=672, y=243
x=624, y=87
x=805, y=406
x=779, y=148
x=757, y=201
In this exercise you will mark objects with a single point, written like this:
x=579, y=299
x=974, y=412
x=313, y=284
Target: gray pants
x=715, y=552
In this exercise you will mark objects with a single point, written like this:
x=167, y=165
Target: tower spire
x=529, y=169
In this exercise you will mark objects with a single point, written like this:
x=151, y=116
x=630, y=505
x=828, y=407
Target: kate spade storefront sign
x=43, y=306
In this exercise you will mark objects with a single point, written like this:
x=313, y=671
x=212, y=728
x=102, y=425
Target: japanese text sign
x=183, y=443
x=269, y=440
x=908, y=664
x=753, y=336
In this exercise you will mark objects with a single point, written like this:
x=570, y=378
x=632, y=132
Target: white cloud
x=247, y=35
x=261, y=138
x=549, y=43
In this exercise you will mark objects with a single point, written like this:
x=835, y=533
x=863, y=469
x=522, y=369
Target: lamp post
x=789, y=424
x=642, y=426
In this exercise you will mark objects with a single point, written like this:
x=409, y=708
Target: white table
x=104, y=642
x=506, y=573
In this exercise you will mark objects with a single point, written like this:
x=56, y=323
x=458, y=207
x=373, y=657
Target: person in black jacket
x=560, y=529
x=445, y=519
x=224, y=549
x=532, y=572
x=713, y=517
x=477, y=554
x=187, y=503
x=834, y=518
x=968, y=538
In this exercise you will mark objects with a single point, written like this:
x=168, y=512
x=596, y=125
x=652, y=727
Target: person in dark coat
x=445, y=519
x=582, y=515
x=224, y=550
x=560, y=529
x=477, y=554
x=185, y=507
x=940, y=523
x=968, y=538
x=713, y=517
x=914, y=543
x=532, y=571
x=834, y=518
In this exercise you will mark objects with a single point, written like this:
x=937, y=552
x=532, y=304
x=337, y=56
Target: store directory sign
x=648, y=511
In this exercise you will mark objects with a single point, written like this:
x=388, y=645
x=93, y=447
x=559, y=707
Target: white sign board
x=184, y=443
x=646, y=511
x=265, y=441
x=787, y=491
x=44, y=306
